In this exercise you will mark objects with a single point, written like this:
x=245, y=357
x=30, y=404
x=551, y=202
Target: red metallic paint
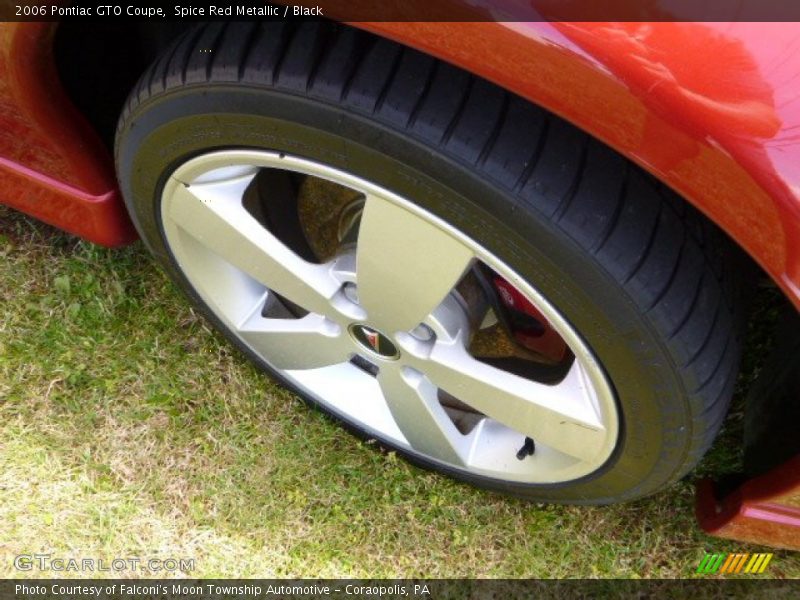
x=765, y=509
x=52, y=166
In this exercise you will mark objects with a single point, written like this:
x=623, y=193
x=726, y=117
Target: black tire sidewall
x=655, y=430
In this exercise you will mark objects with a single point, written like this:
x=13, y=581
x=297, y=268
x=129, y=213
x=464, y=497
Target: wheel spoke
x=560, y=416
x=405, y=265
x=419, y=415
x=306, y=343
x=214, y=215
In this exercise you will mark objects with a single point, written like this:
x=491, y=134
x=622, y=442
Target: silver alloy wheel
x=366, y=306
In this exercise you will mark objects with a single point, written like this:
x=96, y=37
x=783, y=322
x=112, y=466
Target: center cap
x=374, y=342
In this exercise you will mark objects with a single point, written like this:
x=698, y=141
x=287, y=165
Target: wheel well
x=100, y=64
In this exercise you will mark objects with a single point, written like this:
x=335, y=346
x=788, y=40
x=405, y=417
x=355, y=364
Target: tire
x=638, y=281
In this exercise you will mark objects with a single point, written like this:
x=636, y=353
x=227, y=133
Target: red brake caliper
x=529, y=327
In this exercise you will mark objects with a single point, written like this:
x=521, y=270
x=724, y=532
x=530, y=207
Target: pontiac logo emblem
x=374, y=342
x=374, y=339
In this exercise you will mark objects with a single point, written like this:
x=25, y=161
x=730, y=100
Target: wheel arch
x=578, y=73
x=718, y=158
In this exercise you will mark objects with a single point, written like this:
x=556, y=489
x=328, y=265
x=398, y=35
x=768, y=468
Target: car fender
x=52, y=164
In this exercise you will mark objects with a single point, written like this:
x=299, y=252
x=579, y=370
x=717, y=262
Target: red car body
x=710, y=109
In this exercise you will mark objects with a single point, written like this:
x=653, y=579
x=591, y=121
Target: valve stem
x=528, y=448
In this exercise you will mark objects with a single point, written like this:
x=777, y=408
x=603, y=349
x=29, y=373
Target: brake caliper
x=528, y=325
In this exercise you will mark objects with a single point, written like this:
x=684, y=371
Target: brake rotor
x=328, y=215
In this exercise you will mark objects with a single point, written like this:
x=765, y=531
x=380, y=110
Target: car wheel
x=444, y=267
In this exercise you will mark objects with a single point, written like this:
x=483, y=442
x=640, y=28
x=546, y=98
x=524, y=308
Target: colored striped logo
x=734, y=563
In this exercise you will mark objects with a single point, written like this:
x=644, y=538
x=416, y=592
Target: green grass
x=128, y=428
